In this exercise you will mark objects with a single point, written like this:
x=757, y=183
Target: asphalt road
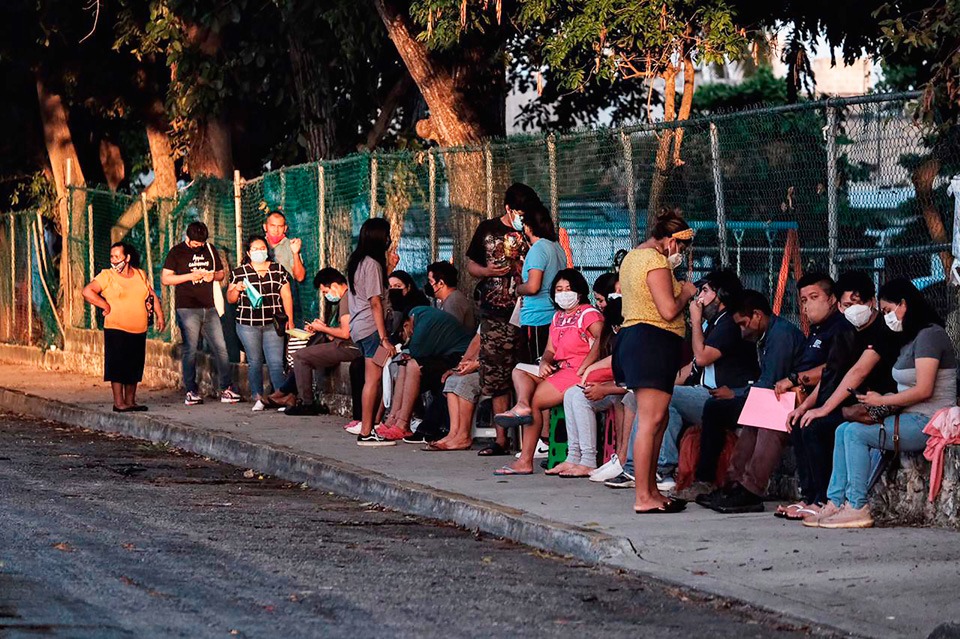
x=105, y=536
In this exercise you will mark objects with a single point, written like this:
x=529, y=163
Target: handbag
x=218, y=301
x=148, y=303
x=280, y=323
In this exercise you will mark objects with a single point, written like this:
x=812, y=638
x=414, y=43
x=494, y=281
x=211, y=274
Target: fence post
x=90, y=267
x=832, y=221
x=631, y=187
x=148, y=252
x=283, y=191
x=171, y=295
x=13, y=276
x=432, y=164
x=718, y=196
x=237, y=218
x=29, y=289
x=66, y=268
x=552, y=157
x=321, y=223
x=373, y=186
x=488, y=174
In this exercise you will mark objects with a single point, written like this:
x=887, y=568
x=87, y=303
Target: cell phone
x=853, y=391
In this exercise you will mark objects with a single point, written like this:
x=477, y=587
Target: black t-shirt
x=848, y=346
x=496, y=244
x=738, y=364
x=182, y=260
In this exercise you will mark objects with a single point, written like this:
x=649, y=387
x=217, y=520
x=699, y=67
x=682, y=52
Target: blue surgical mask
x=330, y=297
x=258, y=257
x=517, y=222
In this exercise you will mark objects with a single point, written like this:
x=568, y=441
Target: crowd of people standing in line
x=531, y=340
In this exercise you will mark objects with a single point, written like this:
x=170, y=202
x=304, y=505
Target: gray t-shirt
x=283, y=255
x=460, y=307
x=931, y=342
x=367, y=284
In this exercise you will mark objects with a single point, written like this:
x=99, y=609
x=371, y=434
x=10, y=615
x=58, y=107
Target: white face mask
x=258, y=257
x=893, y=322
x=858, y=314
x=567, y=299
x=675, y=259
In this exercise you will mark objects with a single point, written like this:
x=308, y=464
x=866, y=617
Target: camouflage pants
x=501, y=348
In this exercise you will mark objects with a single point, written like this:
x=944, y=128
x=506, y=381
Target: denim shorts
x=369, y=345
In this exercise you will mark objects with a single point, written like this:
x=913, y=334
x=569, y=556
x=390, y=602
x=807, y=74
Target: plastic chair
x=558, y=437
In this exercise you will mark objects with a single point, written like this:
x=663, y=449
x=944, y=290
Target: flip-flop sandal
x=493, y=450
x=568, y=476
x=512, y=419
x=670, y=507
x=789, y=512
x=506, y=471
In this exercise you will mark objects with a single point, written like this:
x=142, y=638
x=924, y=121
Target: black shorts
x=646, y=356
x=123, y=356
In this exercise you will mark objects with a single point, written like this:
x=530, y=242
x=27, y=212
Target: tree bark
x=60, y=148
x=318, y=124
x=661, y=168
x=686, y=104
x=210, y=151
x=111, y=159
x=923, y=178
x=387, y=109
x=465, y=91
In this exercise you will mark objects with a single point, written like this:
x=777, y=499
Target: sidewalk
x=879, y=582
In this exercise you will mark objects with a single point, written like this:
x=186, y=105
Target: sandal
x=512, y=419
x=672, y=506
x=493, y=450
x=506, y=471
x=784, y=511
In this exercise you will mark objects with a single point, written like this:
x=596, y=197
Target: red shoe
x=393, y=433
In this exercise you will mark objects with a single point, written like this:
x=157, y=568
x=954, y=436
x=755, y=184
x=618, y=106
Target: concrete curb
x=417, y=499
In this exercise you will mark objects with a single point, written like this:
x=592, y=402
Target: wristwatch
x=794, y=378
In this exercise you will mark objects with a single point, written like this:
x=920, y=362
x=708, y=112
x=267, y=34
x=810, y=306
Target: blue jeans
x=193, y=322
x=850, y=479
x=259, y=343
x=686, y=409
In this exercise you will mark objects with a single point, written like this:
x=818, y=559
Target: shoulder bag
x=218, y=301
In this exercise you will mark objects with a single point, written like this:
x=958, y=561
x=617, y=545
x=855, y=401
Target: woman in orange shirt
x=121, y=293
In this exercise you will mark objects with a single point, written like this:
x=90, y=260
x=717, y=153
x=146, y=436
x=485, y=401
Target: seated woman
x=539, y=388
x=926, y=377
x=461, y=385
x=412, y=295
x=596, y=393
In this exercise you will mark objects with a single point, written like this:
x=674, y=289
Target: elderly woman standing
x=123, y=294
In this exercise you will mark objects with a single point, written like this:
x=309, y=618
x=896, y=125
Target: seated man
x=461, y=386
x=861, y=358
x=436, y=343
x=780, y=346
x=441, y=285
x=721, y=357
x=313, y=360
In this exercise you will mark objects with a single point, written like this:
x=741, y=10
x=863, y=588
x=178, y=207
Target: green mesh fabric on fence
x=857, y=182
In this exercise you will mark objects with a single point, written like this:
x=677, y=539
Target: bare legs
x=544, y=397
x=500, y=405
x=461, y=419
x=124, y=395
x=372, y=380
x=652, y=407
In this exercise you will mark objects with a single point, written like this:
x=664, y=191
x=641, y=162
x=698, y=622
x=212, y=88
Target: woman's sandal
x=493, y=450
x=506, y=471
x=672, y=506
x=789, y=511
x=512, y=419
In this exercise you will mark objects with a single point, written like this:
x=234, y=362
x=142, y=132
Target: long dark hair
x=578, y=284
x=128, y=251
x=612, y=318
x=540, y=223
x=919, y=314
x=373, y=243
x=246, y=246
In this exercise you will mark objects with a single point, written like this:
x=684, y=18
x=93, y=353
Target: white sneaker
x=542, y=452
x=613, y=460
x=353, y=428
x=666, y=483
x=415, y=424
x=258, y=406
x=608, y=471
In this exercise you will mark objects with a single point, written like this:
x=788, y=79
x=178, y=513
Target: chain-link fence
x=833, y=185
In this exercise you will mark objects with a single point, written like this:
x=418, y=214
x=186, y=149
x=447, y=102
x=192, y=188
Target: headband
x=684, y=236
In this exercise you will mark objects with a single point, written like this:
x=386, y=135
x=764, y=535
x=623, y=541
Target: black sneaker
x=415, y=438
x=706, y=499
x=623, y=480
x=373, y=439
x=303, y=410
x=738, y=500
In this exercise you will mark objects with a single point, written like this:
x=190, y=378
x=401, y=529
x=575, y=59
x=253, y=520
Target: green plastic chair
x=558, y=437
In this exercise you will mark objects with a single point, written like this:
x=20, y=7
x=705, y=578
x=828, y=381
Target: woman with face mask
x=261, y=290
x=572, y=331
x=541, y=265
x=123, y=294
x=926, y=377
x=647, y=355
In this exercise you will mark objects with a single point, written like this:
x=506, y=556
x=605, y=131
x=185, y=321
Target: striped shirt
x=269, y=285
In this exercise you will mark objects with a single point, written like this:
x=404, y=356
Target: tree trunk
x=923, y=178
x=60, y=148
x=111, y=159
x=686, y=104
x=465, y=92
x=210, y=151
x=318, y=124
x=661, y=168
x=387, y=109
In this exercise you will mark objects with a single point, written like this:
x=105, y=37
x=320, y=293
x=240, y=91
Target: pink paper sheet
x=764, y=410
